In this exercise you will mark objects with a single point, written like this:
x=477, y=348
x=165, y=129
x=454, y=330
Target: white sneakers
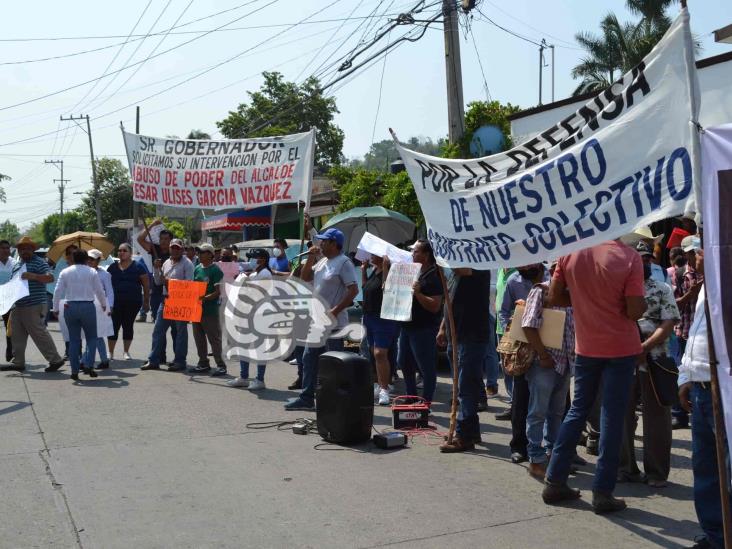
x=377, y=388
x=383, y=397
x=256, y=385
x=126, y=356
x=238, y=382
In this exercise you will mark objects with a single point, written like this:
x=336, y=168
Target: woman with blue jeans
x=259, y=259
x=417, y=341
x=79, y=285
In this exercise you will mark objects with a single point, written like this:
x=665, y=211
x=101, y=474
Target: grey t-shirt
x=331, y=277
x=179, y=270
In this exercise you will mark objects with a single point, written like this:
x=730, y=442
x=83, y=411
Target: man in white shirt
x=105, y=278
x=334, y=280
x=79, y=284
x=177, y=267
x=695, y=395
x=6, y=269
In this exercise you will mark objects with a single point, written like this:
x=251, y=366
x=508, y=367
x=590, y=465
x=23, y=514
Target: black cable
x=480, y=64
x=504, y=29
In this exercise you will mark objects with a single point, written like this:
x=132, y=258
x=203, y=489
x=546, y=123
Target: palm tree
x=621, y=46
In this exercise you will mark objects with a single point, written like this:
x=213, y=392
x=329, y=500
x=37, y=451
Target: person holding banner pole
x=177, y=267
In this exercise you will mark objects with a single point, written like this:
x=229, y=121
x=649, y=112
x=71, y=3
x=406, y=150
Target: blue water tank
x=487, y=140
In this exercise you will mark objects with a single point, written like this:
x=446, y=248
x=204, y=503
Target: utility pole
x=62, y=182
x=453, y=70
x=542, y=46
x=95, y=182
x=552, y=48
x=136, y=206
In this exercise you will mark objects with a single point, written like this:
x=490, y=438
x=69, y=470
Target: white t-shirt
x=6, y=270
x=331, y=278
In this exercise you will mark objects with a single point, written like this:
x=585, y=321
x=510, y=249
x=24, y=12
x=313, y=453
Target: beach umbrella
x=377, y=220
x=83, y=240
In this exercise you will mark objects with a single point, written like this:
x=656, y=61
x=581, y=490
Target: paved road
x=158, y=459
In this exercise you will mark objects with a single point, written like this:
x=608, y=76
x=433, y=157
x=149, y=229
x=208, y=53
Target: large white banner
x=236, y=173
x=625, y=158
x=13, y=290
x=717, y=198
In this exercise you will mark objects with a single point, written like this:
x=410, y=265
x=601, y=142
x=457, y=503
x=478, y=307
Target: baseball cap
x=331, y=234
x=644, y=249
x=206, y=248
x=176, y=242
x=94, y=254
x=691, y=244
x=259, y=253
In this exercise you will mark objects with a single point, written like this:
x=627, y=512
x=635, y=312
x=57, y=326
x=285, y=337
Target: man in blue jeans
x=470, y=292
x=695, y=396
x=606, y=285
x=334, y=281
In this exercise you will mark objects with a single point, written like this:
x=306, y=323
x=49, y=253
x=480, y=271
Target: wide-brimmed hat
x=26, y=241
x=642, y=232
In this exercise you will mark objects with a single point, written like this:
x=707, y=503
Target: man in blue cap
x=334, y=280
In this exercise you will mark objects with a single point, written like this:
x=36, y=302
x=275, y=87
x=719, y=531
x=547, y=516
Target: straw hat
x=641, y=233
x=27, y=241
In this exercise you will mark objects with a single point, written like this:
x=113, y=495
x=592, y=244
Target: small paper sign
x=183, y=302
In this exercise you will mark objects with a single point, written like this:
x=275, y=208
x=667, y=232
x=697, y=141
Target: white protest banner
x=372, y=244
x=627, y=157
x=397, y=301
x=236, y=173
x=717, y=198
x=13, y=290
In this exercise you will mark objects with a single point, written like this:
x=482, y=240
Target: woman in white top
x=104, y=324
x=79, y=284
x=259, y=260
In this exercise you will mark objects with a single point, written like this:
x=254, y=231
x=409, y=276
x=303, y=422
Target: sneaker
x=14, y=368
x=377, y=388
x=103, y=365
x=200, y=369
x=220, y=371
x=238, y=382
x=53, y=367
x=149, y=366
x=297, y=385
x=293, y=362
x=175, y=367
x=383, y=397
x=126, y=356
x=256, y=385
x=300, y=404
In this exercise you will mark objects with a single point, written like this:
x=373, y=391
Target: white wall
x=715, y=83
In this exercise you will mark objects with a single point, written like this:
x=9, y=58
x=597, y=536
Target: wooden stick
x=454, y=357
x=718, y=429
x=149, y=236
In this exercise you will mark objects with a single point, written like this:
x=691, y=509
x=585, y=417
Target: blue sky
x=412, y=89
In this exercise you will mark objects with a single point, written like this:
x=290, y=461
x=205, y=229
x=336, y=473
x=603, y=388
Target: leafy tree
x=115, y=197
x=51, y=226
x=281, y=108
x=35, y=232
x=3, y=177
x=175, y=227
x=9, y=231
x=382, y=153
x=620, y=46
x=198, y=134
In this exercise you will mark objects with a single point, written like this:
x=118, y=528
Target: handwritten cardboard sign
x=183, y=302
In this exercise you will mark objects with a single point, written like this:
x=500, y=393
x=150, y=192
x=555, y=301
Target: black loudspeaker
x=344, y=398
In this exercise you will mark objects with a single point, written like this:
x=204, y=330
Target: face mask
x=646, y=271
x=277, y=252
x=226, y=259
x=253, y=263
x=529, y=274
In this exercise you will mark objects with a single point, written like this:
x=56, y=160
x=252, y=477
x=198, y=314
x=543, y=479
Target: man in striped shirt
x=28, y=314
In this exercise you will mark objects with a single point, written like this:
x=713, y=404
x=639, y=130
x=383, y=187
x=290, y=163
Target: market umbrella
x=377, y=220
x=85, y=241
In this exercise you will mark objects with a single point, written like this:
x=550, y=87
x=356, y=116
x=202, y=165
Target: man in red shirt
x=605, y=283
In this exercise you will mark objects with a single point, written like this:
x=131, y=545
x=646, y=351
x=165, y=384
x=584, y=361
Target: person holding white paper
x=6, y=268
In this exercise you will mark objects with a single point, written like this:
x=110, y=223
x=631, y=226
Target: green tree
x=620, y=46
x=51, y=225
x=382, y=153
x=9, y=231
x=198, y=134
x=281, y=108
x=3, y=177
x=115, y=198
x=35, y=232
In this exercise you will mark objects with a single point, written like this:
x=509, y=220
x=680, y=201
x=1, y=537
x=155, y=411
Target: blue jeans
x=310, y=367
x=244, y=370
x=471, y=357
x=614, y=377
x=180, y=343
x=102, y=348
x=81, y=315
x=299, y=351
x=491, y=364
x=418, y=349
x=704, y=464
x=547, y=400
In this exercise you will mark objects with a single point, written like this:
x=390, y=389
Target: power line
x=480, y=63
x=381, y=88
x=504, y=29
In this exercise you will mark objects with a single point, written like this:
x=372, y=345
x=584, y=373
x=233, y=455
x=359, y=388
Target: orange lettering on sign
x=183, y=302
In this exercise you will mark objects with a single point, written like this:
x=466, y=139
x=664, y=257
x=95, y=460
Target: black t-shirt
x=471, y=305
x=429, y=283
x=154, y=288
x=373, y=293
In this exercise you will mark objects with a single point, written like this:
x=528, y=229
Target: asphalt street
x=162, y=459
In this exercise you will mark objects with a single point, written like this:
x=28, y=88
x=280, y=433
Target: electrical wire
x=480, y=64
x=378, y=103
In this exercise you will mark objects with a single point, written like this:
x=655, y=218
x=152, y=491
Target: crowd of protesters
x=625, y=319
